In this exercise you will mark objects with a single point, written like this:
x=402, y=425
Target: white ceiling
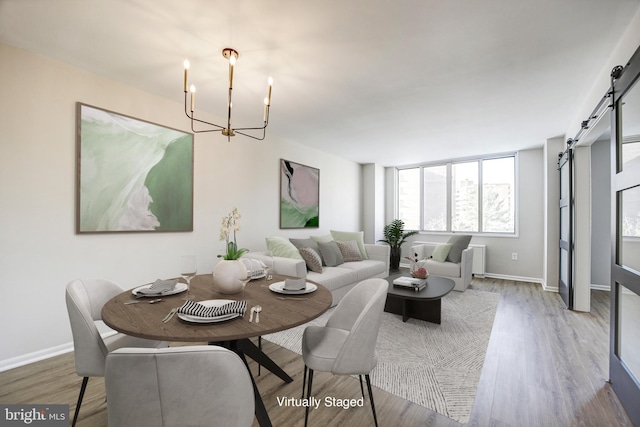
x=390, y=82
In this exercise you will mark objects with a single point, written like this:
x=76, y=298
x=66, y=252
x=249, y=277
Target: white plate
x=180, y=287
x=210, y=303
x=279, y=288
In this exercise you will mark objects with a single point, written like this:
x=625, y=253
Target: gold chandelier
x=232, y=56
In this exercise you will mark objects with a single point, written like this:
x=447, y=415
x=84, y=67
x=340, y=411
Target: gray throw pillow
x=458, y=244
x=306, y=243
x=331, y=253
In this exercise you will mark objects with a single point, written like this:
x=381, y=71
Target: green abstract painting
x=299, y=195
x=132, y=175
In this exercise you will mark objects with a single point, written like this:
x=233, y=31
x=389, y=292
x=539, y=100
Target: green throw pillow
x=279, y=246
x=441, y=251
x=323, y=239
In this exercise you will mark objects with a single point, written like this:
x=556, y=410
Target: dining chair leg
x=304, y=379
x=306, y=412
x=373, y=407
x=260, y=347
x=361, y=387
x=83, y=387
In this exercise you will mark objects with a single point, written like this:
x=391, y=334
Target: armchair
x=459, y=272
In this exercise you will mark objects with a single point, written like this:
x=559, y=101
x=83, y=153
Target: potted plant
x=394, y=236
x=229, y=273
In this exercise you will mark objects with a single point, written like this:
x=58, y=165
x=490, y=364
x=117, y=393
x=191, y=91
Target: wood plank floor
x=545, y=366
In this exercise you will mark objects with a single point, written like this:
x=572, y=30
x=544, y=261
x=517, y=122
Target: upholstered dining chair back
x=178, y=386
x=85, y=299
x=346, y=345
x=360, y=313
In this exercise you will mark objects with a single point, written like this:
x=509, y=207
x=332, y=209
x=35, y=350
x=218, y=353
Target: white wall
x=529, y=241
x=39, y=252
x=552, y=148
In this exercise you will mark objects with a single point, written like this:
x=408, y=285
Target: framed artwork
x=299, y=195
x=131, y=175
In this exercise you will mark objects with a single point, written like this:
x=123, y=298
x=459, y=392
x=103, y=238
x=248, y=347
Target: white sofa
x=460, y=272
x=338, y=280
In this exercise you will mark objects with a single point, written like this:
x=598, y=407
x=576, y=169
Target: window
x=498, y=198
x=464, y=196
x=435, y=198
x=409, y=198
x=473, y=196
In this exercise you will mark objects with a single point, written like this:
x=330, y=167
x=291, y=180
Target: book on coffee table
x=410, y=282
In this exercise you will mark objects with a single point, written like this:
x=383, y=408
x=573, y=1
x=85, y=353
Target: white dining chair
x=178, y=386
x=346, y=344
x=85, y=299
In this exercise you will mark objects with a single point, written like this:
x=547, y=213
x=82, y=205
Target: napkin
x=193, y=308
x=159, y=287
x=294, y=284
x=255, y=267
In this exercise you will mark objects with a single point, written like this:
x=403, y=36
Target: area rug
x=435, y=366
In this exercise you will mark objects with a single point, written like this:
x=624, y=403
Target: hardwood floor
x=545, y=366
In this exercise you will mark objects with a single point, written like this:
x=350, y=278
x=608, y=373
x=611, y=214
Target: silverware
x=153, y=301
x=257, y=309
x=169, y=315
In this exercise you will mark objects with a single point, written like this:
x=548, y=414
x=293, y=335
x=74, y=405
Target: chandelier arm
x=255, y=128
x=193, y=119
x=251, y=136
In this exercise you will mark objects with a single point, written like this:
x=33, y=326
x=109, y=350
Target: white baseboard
x=596, y=287
x=36, y=356
x=518, y=279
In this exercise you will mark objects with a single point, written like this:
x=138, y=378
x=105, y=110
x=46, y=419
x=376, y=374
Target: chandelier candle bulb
x=270, y=81
x=193, y=97
x=266, y=107
x=186, y=72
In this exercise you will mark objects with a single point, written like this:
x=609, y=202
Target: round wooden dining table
x=279, y=312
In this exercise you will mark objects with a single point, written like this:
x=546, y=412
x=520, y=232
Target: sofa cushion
x=330, y=253
x=334, y=277
x=281, y=247
x=459, y=243
x=446, y=269
x=345, y=236
x=441, y=251
x=349, y=251
x=365, y=269
x=312, y=259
